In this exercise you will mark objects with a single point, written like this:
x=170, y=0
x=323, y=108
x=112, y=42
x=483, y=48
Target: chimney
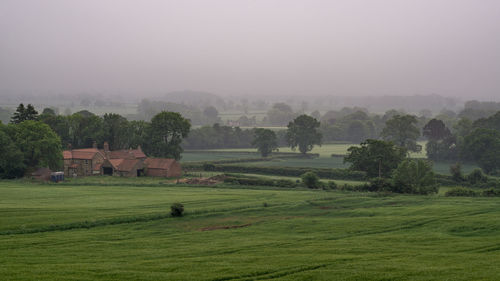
x=106, y=146
x=94, y=144
x=69, y=146
x=139, y=147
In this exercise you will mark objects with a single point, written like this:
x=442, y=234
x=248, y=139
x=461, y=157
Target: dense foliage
x=303, y=133
x=265, y=140
x=375, y=157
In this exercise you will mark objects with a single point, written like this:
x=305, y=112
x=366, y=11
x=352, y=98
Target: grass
x=325, y=150
x=300, y=235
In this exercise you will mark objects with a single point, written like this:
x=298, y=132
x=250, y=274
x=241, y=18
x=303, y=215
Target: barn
x=162, y=167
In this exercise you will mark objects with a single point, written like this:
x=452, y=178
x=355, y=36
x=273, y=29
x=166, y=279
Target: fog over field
x=251, y=48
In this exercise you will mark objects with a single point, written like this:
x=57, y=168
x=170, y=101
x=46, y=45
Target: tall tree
x=265, y=140
x=167, y=131
x=303, y=133
x=40, y=145
x=375, y=157
x=441, y=144
x=115, y=130
x=435, y=130
x=402, y=130
x=483, y=147
x=12, y=159
x=24, y=113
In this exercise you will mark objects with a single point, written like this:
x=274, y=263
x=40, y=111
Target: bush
x=208, y=167
x=491, y=192
x=476, y=177
x=310, y=180
x=414, y=176
x=380, y=184
x=332, y=185
x=176, y=210
x=461, y=191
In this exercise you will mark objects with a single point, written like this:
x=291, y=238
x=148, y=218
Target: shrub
x=332, y=185
x=414, y=176
x=380, y=184
x=176, y=210
x=476, y=177
x=310, y=180
x=208, y=167
x=461, y=191
x=491, y=192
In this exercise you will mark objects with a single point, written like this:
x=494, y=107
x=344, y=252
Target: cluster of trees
x=26, y=144
x=147, y=109
x=390, y=169
x=161, y=137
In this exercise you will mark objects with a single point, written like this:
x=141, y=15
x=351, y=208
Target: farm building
x=124, y=162
x=161, y=167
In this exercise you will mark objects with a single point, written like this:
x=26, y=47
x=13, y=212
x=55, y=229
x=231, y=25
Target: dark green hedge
x=261, y=182
x=340, y=174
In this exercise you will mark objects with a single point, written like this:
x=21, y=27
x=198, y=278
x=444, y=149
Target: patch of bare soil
x=210, y=228
x=203, y=181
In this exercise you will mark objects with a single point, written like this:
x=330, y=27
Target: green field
x=325, y=150
x=124, y=233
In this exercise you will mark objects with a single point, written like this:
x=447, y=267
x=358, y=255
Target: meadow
x=117, y=232
x=323, y=161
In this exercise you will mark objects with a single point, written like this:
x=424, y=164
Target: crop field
x=96, y=232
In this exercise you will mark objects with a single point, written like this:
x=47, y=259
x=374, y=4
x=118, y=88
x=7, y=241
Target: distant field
x=124, y=233
x=326, y=150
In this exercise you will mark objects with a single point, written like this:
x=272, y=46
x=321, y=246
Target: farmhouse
x=125, y=163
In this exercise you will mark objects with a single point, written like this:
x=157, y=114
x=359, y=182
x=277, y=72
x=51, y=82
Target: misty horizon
x=251, y=48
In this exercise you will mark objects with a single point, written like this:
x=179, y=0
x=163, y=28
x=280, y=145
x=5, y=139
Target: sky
x=252, y=47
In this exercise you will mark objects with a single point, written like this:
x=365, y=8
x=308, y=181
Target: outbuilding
x=162, y=167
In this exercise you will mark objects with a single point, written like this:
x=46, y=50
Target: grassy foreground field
x=125, y=233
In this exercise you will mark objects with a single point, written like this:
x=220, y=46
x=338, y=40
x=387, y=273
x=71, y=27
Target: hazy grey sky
x=259, y=47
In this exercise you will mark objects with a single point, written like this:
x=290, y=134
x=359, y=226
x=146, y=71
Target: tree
x=414, y=176
x=265, y=140
x=280, y=114
x=310, y=180
x=441, y=144
x=402, y=130
x=483, y=147
x=24, y=113
x=167, y=131
x=435, y=130
x=375, y=157
x=115, y=130
x=40, y=145
x=303, y=133
x=12, y=159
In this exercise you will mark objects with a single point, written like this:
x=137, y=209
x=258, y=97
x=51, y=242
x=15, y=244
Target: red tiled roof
x=138, y=153
x=116, y=162
x=159, y=163
x=67, y=154
x=83, y=153
x=127, y=165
